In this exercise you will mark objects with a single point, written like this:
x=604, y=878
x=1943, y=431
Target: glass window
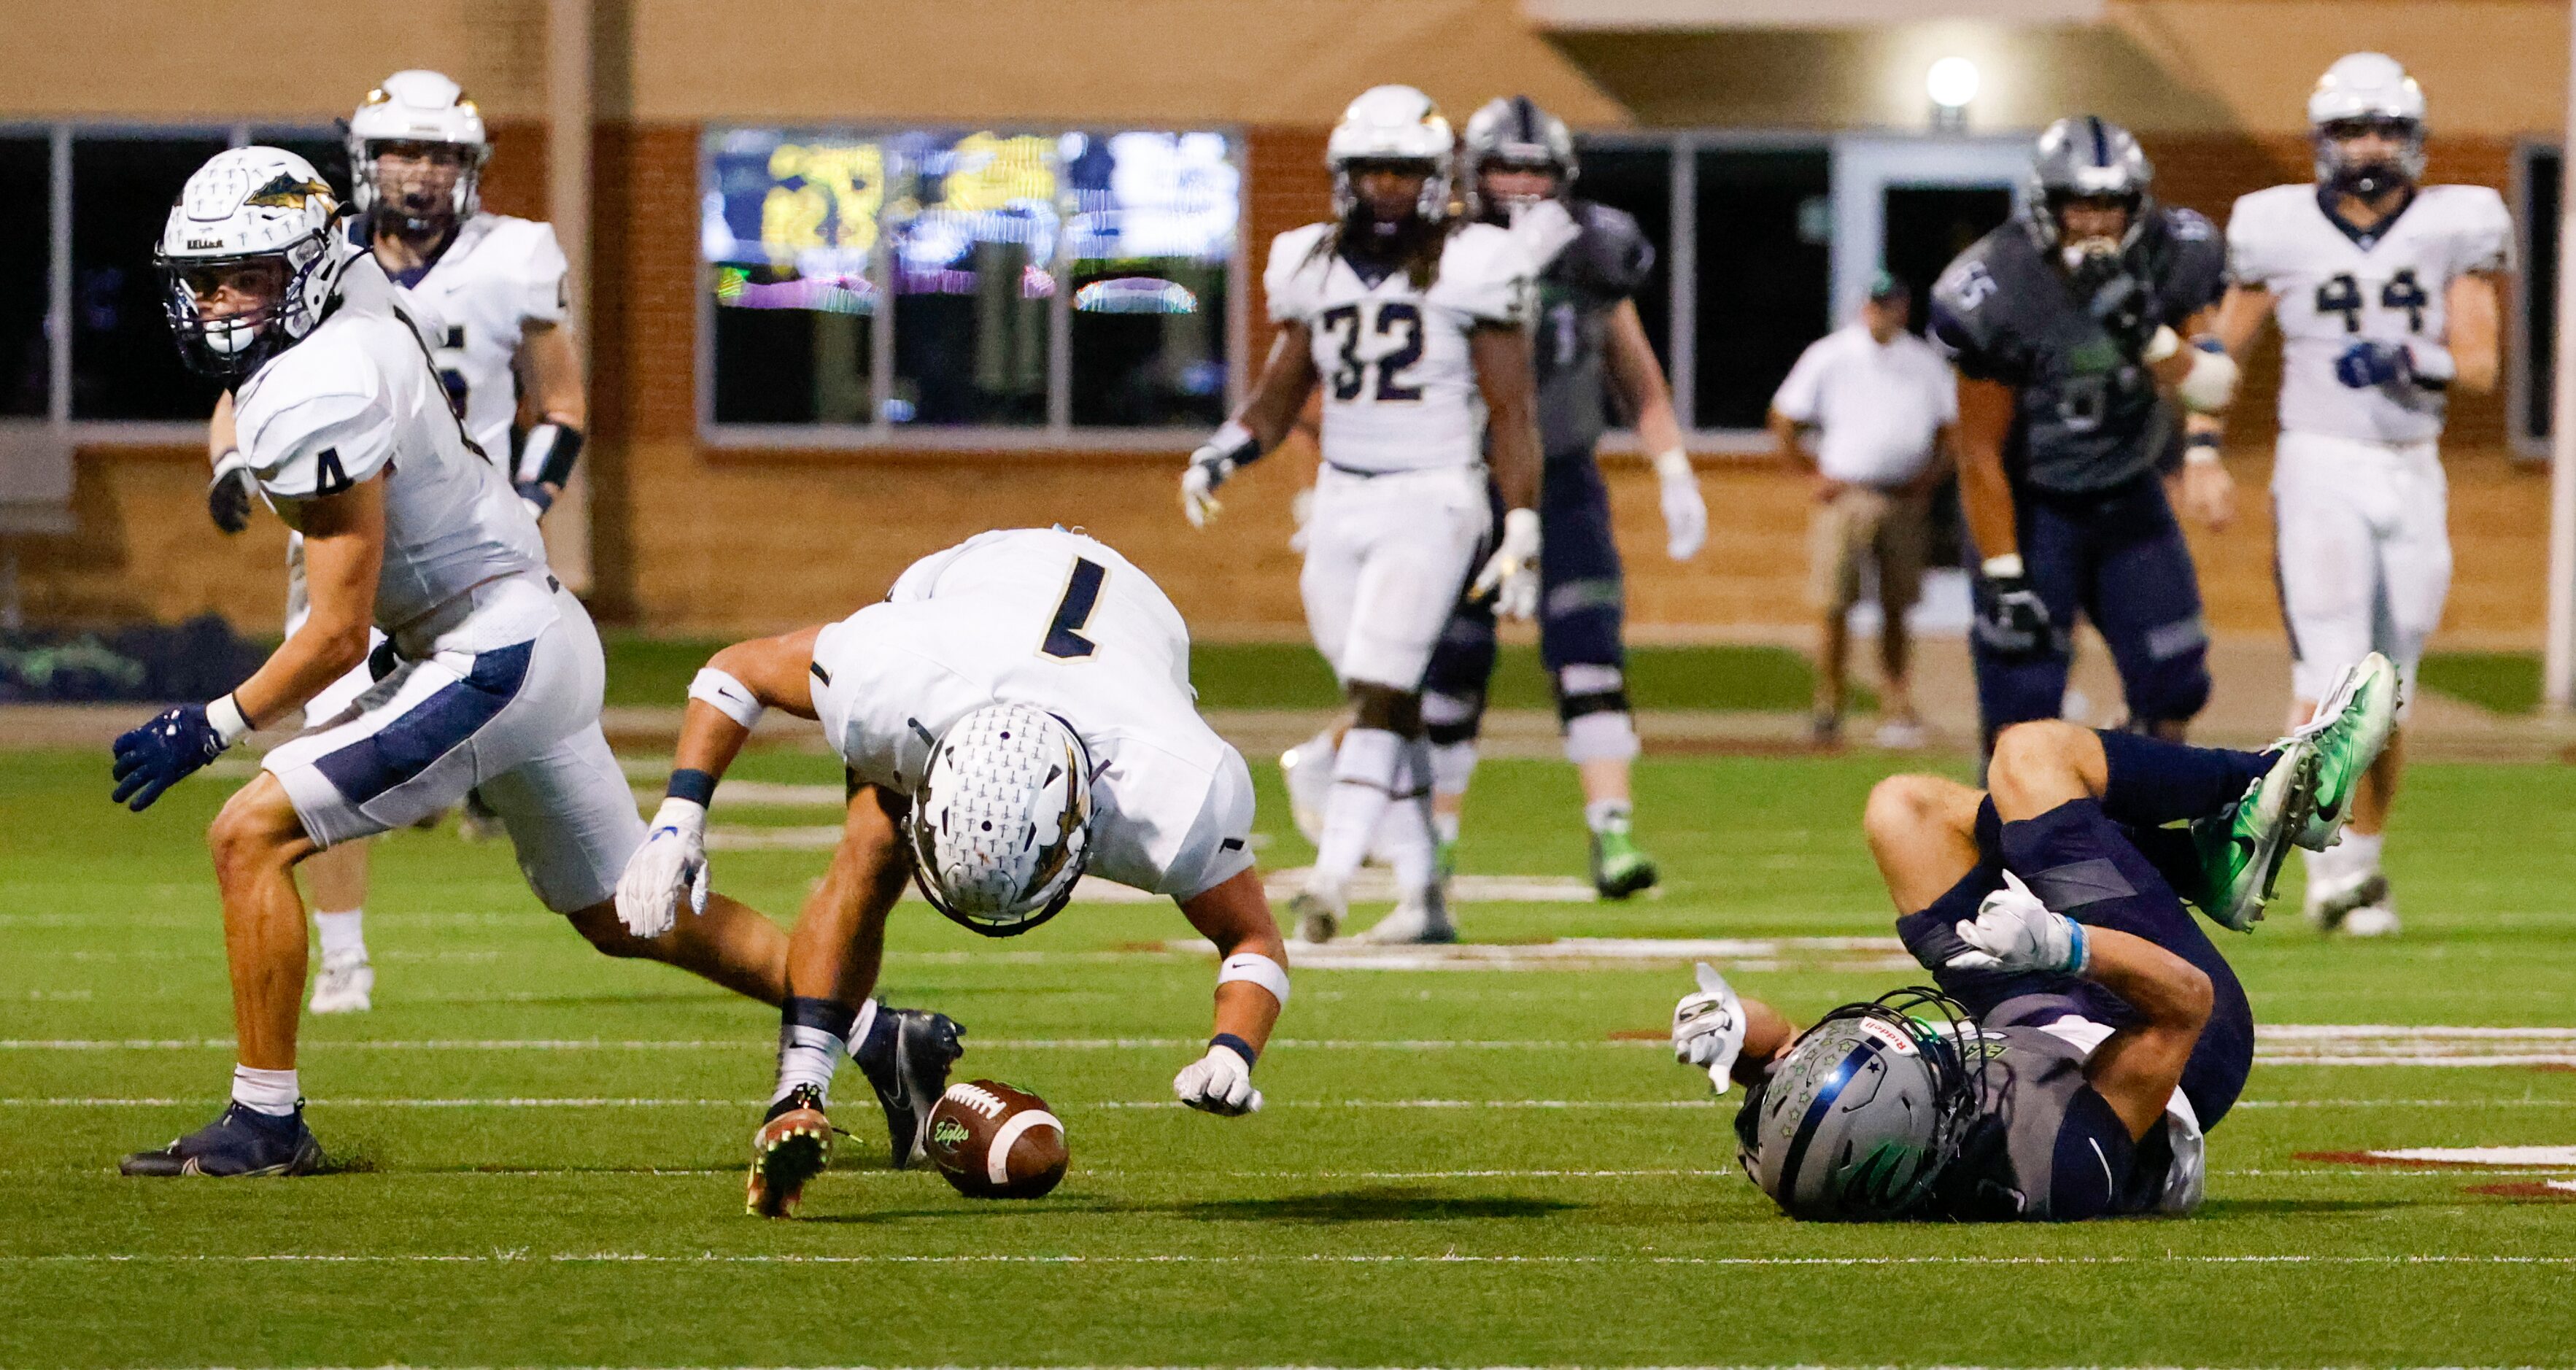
x=790, y=229
x=1640, y=181
x=26, y=285
x=2539, y=263
x=1764, y=241
x=1148, y=240
x=124, y=365
x=1006, y=264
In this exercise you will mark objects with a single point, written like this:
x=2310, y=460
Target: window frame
x=1682, y=269
x=881, y=436
x=2524, y=314
x=61, y=135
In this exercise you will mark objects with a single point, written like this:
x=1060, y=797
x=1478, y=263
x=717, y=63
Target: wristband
x=547, y=454
x=2005, y=567
x=728, y=696
x=2432, y=364
x=2200, y=449
x=1260, y=970
x=692, y=786
x=1673, y=464
x=232, y=460
x=2079, y=954
x=225, y=717
x=1236, y=1045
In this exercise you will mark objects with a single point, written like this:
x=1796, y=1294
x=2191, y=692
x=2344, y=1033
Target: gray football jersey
x=2048, y=1148
x=2088, y=416
x=1606, y=261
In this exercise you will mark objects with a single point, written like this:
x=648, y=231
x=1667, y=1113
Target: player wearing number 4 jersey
x=2385, y=292
x=1016, y=713
x=494, y=288
x=1416, y=326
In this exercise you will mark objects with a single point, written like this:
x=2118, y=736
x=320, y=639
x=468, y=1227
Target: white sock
x=1406, y=830
x=1453, y=764
x=1364, y=776
x=807, y=1056
x=2358, y=853
x=1607, y=815
x=861, y=1026
x=1605, y=736
x=272, y=1092
x=1445, y=825
x=342, y=933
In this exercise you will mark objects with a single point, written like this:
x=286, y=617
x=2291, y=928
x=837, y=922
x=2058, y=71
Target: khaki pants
x=1891, y=528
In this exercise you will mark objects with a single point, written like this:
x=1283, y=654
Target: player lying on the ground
x=1016, y=712
x=2092, y=1033
x=491, y=677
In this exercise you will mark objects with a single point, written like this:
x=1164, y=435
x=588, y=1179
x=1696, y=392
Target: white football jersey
x=497, y=276
x=1060, y=621
x=2332, y=288
x=1399, y=386
x=357, y=399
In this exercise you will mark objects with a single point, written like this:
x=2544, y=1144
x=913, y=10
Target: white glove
x=1685, y=513
x=1511, y=573
x=1217, y=458
x=672, y=859
x=2014, y=931
x=1708, y=1027
x=1218, y=1083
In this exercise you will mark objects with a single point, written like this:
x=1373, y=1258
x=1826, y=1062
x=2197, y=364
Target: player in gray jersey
x=2067, y=328
x=2085, y=1033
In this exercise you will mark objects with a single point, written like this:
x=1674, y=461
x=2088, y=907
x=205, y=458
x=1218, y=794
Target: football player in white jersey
x=493, y=671
x=1016, y=712
x=416, y=152
x=2385, y=291
x=1417, y=326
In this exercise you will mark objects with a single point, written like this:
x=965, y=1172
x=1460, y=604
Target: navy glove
x=2011, y=618
x=163, y=752
x=228, y=499
x=2365, y=365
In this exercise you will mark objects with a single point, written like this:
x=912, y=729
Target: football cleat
x=911, y=1077
x=793, y=1146
x=2377, y=919
x=2333, y=903
x=243, y=1142
x=1319, y=913
x=1618, y=868
x=2241, y=847
x=1420, y=919
x=346, y=984
x=2348, y=730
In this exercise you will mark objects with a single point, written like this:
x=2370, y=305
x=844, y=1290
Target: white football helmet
x=1515, y=132
x=2367, y=88
x=244, y=206
x=1001, y=825
x=1393, y=124
x=417, y=107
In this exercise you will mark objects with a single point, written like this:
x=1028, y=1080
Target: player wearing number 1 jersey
x=2385, y=292
x=1416, y=326
x=1017, y=712
x=495, y=285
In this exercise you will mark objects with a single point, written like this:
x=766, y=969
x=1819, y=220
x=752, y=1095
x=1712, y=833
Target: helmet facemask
x=2372, y=174
x=1506, y=204
x=1366, y=220
x=1886, y=1053
x=435, y=186
x=279, y=290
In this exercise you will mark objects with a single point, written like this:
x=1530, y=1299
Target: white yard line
x=1245, y=1258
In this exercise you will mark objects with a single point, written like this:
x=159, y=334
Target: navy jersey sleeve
x=1612, y=258
x=1972, y=324
x=2195, y=269
x=2090, y=1174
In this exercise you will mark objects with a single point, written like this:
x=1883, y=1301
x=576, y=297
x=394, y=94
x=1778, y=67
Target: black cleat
x=793, y=1145
x=240, y=1143
x=911, y=1075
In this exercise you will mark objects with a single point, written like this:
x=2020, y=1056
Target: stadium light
x=1952, y=83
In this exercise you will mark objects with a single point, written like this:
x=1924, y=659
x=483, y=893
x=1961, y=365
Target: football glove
x=1215, y=460
x=1708, y=1028
x=2365, y=365
x=173, y=746
x=2118, y=301
x=1685, y=513
x=1219, y=1083
x=2011, y=618
x=2014, y=931
x=673, y=859
x=229, y=494
x=1511, y=573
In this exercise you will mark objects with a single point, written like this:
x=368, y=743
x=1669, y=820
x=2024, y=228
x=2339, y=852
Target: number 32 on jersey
x=1400, y=322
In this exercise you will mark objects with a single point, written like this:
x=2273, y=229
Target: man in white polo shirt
x=1884, y=405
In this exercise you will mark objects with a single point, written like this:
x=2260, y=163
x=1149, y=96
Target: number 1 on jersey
x=1081, y=594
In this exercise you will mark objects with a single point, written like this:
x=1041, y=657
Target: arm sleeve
x=1799, y=396
x=544, y=294
x=319, y=446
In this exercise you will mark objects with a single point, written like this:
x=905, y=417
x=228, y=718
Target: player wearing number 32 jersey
x=1415, y=326
x=2385, y=293
x=1016, y=713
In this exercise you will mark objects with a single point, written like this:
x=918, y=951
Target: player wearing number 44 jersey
x=1416, y=326
x=2385, y=292
x=1016, y=713
x=494, y=288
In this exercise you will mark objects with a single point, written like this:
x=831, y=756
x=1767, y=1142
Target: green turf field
x=543, y=1148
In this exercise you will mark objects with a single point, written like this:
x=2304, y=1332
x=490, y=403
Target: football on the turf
x=993, y=1141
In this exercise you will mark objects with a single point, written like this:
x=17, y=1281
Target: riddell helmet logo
x=947, y=1134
